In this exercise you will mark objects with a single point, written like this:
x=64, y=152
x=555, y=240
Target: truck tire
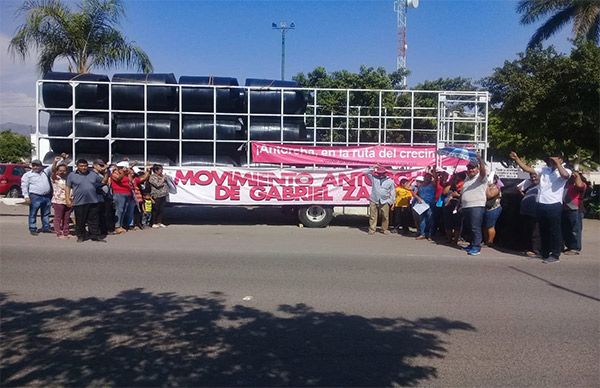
x=315, y=216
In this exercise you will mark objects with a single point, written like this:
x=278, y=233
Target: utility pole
x=401, y=8
x=283, y=27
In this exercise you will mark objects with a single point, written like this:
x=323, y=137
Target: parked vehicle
x=267, y=143
x=10, y=179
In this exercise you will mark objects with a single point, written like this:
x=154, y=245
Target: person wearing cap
x=402, y=215
x=383, y=196
x=37, y=190
x=553, y=178
x=417, y=182
x=82, y=186
x=121, y=185
x=472, y=202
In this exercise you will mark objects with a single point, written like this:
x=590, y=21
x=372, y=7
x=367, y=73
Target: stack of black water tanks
x=222, y=115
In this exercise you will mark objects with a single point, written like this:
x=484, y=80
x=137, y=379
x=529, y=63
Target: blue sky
x=446, y=38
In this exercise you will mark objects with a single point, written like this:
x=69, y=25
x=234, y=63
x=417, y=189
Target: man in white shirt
x=37, y=190
x=473, y=203
x=552, y=178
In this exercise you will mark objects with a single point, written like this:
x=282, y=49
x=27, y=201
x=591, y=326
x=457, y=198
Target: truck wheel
x=14, y=192
x=315, y=216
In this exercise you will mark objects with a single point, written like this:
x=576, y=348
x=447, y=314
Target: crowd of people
x=102, y=199
x=462, y=206
x=465, y=206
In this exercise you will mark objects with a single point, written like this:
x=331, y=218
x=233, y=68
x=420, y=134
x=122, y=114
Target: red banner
x=387, y=155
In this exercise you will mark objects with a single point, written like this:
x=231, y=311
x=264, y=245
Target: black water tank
x=160, y=126
x=267, y=128
x=157, y=152
x=88, y=96
x=131, y=97
x=61, y=145
x=87, y=124
x=60, y=124
x=269, y=101
x=229, y=100
x=202, y=127
x=91, y=147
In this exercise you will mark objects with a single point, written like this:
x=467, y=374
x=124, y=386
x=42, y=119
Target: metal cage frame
x=458, y=118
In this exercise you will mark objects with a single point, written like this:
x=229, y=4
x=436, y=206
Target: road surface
x=246, y=297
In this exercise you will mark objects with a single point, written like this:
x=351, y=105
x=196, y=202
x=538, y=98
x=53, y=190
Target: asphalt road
x=239, y=297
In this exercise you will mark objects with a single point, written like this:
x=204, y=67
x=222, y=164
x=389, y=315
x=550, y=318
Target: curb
x=12, y=201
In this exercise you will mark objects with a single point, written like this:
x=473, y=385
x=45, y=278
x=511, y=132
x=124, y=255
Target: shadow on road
x=139, y=338
x=558, y=286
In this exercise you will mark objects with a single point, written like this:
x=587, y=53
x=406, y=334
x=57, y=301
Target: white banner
x=239, y=186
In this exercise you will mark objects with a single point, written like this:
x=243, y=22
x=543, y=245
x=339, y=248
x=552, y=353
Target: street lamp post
x=283, y=27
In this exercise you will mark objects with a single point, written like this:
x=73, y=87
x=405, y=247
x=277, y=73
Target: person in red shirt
x=572, y=213
x=121, y=185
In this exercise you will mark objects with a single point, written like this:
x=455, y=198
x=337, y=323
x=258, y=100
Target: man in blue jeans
x=383, y=196
x=553, y=178
x=425, y=193
x=572, y=213
x=36, y=188
x=472, y=203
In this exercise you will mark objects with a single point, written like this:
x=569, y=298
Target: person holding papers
x=425, y=196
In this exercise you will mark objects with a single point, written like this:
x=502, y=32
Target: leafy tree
x=395, y=104
x=585, y=15
x=87, y=38
x=366, y=78
x=456, y=83
x=333, y=102
x=544, y=101
x=14, y=147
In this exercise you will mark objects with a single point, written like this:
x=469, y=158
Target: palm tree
x=585, y=15
x=87, y=38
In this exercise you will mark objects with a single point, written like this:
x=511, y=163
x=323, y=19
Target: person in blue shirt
x=425, y=194
x=82, y=194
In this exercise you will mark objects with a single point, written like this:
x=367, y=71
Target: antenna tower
x=401, y=8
